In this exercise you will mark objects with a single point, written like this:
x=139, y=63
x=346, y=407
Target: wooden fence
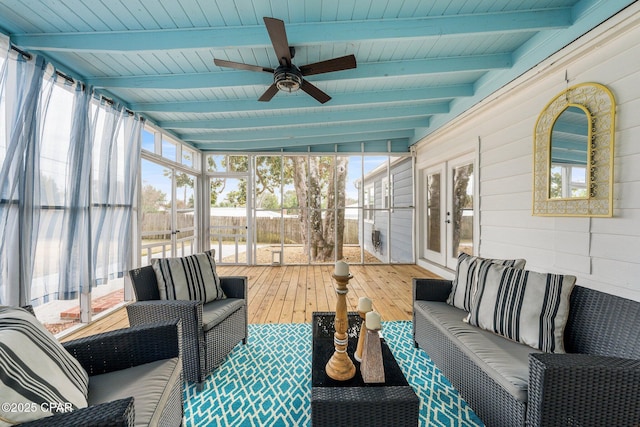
x=268, y=230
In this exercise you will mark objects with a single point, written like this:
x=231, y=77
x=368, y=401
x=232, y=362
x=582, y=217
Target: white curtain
x=25, y=89
x=68, y=179
x=116, y=156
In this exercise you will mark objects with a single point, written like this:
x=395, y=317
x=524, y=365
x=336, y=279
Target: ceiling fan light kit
x=287, y=77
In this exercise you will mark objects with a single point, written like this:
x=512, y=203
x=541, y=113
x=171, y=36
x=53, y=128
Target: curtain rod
x=26, y=55
x=69, y=79
x=29, y=57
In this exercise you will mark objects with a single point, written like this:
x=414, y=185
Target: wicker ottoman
x=353, y=403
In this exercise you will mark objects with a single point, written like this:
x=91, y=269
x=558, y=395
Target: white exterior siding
x=601, y=252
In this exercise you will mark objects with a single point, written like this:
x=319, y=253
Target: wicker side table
x=353, y=403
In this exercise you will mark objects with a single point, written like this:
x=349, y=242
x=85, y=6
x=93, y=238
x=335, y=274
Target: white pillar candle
x=342, y=269
x=373, y=321
x=364, y=304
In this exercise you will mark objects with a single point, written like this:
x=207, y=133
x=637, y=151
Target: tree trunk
x=316, y=227
x=339, y=189
x=300, y=184
x=323, y=237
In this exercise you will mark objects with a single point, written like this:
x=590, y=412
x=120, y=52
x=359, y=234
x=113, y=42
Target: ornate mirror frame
x=599, y=104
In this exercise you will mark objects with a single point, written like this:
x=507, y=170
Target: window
x=169, y=150
x=148, y=140
x=568, y=181
x=369, y=203
x=386, y=193
x=189, y=157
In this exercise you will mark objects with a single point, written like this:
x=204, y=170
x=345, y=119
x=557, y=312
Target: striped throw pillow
x=38, y=377
x=191, y=277
x=528, y=307
x=465, y=283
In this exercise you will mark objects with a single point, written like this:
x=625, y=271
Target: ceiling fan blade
x=269, y=93
x=278, y=36
x=240, y=66
x=316, y=93
x=336, y=64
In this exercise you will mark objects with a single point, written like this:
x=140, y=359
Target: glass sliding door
x=169, y=212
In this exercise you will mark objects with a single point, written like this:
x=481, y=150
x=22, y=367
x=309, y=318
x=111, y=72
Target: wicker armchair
x=209, y=331
x=110, y=352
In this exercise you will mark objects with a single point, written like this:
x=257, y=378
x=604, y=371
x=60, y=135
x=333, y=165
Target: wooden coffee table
x=353, y=403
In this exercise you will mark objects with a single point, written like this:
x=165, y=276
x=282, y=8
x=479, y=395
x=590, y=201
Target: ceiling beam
x=306, y=141
x=298, y=33
x=322, y=117
x=287, y=101
x=398, y=145
x=364, y=70
x=305, y=131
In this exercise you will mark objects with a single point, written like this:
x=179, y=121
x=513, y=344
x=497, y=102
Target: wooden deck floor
x=290, y=294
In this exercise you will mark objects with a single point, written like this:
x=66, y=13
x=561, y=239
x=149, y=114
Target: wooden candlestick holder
x=340, y=367
x=361, y=338
x=372, y=368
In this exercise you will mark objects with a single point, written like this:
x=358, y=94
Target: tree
x=318, y=180
x=153, y=199
x=320, y=186
x=184, y=181
x=268, y=201
x=290, y=200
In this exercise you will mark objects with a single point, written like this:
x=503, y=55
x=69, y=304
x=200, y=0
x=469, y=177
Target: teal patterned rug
x=268, y=382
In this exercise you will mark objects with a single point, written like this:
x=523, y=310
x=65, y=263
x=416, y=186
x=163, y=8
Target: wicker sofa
x=595, y=383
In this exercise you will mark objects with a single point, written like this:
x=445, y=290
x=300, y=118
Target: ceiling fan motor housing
x=287, y=78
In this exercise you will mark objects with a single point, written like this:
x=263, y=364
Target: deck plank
x=290, y=294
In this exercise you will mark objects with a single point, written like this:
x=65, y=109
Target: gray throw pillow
x=525, y=306
x=191, y=277
x=38, y=377
x=465, y=283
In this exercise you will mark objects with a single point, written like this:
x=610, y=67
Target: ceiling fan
x=287, y=77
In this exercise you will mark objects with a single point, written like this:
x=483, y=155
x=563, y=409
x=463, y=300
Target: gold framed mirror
x=573, y=153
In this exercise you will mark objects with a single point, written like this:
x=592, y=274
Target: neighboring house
x=388, y=203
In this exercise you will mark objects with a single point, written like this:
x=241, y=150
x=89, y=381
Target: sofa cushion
x=525, y=306
x=216, y=311
x=35, y=370
x=465, y=282
x=192, y=277
x=505, y=361
x=150, y=384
